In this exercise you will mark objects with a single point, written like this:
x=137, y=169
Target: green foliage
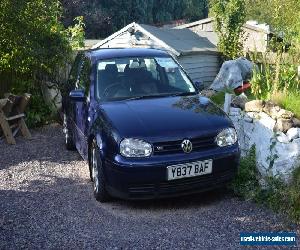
x=289, y=101
x=34, y=46
x=38, y=112
x=277, y=82
x=229, y=19
x=276, y=194
x=76, y=33
x=246, y=182
x=31, y=35
x=218, y=98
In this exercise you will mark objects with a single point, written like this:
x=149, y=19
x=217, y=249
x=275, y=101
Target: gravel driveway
x=46, y=202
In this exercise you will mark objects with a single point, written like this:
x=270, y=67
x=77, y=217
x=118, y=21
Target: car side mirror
x=199, y=85
x=77, y=95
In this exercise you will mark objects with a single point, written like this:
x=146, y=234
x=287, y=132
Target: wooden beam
x=24, y=129
x=6, y=129
x=15, y=117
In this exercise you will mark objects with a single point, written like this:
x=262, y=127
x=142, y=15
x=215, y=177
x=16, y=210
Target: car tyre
x=97, y=173
x=69, y=142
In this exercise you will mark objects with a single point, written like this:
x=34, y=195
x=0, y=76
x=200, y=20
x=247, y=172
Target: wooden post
x=6, y=129
x=24, y=129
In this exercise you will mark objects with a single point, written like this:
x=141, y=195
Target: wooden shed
x=197, y=54
x=256, y=37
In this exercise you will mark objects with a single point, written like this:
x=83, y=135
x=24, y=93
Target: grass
x=277, y=195
x=289, y=101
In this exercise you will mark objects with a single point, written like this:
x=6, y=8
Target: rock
x=283, y=125
x=254, y=106
x=296, y=122
x=271, y=109
x=253, y=115
x=269, y=106
x=248, y=118
x=240, y=101
x=267, y=121
x=293, y=133
x=281, y=137
x=285, y=114
x=208, y=93
x=235, y=111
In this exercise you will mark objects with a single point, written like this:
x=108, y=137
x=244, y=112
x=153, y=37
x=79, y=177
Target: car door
x=82, y=108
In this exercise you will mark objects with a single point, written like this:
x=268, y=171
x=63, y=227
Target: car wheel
x=69, y=142
x=99, y=181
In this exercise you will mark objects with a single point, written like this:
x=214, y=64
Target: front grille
x=170, y=147
x=185, y=185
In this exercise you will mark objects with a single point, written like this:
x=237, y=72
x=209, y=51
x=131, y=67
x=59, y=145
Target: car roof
x=99, y=54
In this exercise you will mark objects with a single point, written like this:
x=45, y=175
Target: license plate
x=189, y=169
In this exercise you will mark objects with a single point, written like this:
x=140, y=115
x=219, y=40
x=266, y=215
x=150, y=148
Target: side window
x=83, y=81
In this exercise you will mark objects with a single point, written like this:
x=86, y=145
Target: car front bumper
x=147, y=179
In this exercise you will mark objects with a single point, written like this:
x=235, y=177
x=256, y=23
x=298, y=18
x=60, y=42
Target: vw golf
x=139, y=121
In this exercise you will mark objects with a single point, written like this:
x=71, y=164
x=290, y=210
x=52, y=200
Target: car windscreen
x=138, y=77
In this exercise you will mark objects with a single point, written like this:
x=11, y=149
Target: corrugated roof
x=184, y=40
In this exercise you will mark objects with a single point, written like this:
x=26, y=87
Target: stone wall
x=274, y=132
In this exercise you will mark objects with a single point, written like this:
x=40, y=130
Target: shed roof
x=183, y=40
x=178, y=41
x=247, y=25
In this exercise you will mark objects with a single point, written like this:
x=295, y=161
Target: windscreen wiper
x=184, y=94
x=160, y=95
x=146, y=97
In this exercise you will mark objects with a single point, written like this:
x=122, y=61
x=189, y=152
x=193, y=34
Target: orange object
x=241, y=89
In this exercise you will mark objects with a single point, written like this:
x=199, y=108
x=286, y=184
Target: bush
x=38, y=112
x=34, y=47
x=276, y=194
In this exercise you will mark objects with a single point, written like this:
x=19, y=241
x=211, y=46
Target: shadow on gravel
x=47, y=145
x=196, y=200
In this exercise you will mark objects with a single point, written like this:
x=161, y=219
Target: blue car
x=139, y=121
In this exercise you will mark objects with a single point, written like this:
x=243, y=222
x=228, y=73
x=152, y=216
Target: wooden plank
x=6, y=129
x=14, y=117
x=24, y=129
x=190, y=59
x=3, y=102
x=203, y=74
x=204, y=70
x=201, y=64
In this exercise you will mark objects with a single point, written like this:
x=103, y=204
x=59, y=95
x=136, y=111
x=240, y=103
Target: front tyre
x=99, y=182
x=69, y=142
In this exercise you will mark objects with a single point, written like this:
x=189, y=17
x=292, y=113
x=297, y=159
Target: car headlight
x=135, y=148
x=226, y=137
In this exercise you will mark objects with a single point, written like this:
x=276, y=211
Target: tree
x=98, y=23
x=31, y=36
x=102, y=17
x=34, y=45
x=229, y=19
